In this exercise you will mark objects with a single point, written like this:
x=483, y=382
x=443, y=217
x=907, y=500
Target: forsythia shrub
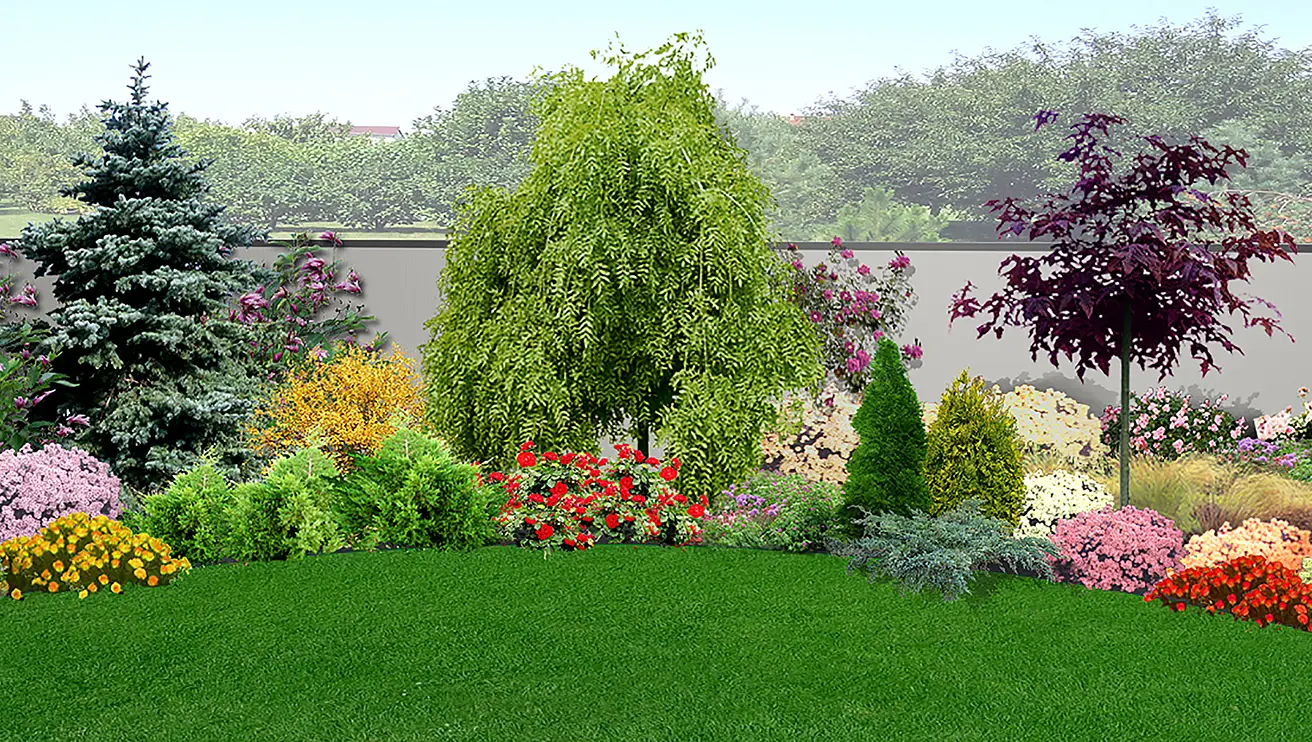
x=37, y=487
x=1275, y=540
x=355, y=401
x=79, y=553
x=1249, y=587
x=1053, y=497
x=1127, y=549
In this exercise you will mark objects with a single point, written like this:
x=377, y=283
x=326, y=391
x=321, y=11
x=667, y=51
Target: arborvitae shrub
x=973, y=453
x=886, y=471
x=192, y=515
x=414, y=493
x=351, y=401
x=289, y=514
x=37, y=487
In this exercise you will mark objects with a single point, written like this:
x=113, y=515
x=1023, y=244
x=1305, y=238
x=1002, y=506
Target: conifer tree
x=138, y=279
x=886, y=471
x=630, y=273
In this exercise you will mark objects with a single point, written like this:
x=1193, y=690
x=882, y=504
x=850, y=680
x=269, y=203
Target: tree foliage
x=135, y=277
x=483, y=139
x=959, y=136
x=629, y=274
x=1131, y=268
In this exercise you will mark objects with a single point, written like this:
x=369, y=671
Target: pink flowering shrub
x=1164, y=425
x=38, y=487
x=1276, y=540
x=1128, y=549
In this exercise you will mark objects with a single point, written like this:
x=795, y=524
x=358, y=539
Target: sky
x=388, y=63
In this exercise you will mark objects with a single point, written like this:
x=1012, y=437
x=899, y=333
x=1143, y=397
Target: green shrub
x=886, y=471
x=192, y=515
x=414, y=493
x=973, y=453
x=941, y=552
x=289, y=514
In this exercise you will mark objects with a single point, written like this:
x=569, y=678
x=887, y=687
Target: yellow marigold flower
x=113, y=563
x=135, y=563
x=148, y=556
x=152, y=581
x=53, y=587
x=117, y=588
x=93, y=587
x=165, y=569
x=59, y=566
x=104, y=579
x=139, y=573
x=16, y=594
x=82, y=595
x=45, y=574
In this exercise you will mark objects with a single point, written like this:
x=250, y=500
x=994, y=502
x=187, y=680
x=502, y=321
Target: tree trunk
x=643, y=432
x=1125, y=409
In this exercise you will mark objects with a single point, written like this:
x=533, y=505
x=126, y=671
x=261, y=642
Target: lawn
x=633, y=643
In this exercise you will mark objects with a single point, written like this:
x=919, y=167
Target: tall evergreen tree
x=137, y=279
x=886, y=471
x=630, y=274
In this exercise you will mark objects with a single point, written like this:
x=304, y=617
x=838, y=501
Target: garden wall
x=400, y=288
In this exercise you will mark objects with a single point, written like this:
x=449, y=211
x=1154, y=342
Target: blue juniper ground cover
x=377, y=574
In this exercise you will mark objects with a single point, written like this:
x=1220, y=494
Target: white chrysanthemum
x=1056, y=496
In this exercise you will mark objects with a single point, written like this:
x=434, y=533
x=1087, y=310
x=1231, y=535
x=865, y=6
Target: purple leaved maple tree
x=1128, y=253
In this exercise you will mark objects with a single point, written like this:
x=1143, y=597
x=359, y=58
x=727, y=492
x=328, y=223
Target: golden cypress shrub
x=351, y=404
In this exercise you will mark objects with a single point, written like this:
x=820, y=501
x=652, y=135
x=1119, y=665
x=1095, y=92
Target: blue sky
x=387, y=63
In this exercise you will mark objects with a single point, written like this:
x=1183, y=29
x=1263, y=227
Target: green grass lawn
x=625, y=643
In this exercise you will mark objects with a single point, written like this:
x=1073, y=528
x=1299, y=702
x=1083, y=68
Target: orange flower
x=117, y=588
x=16, y=594
x=139, y=573
x=104, y=579
x=82, y=595
x=152, y=581
x=53, y=587
x=93, y=587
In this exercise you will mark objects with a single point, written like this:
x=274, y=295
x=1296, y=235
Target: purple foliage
x=1108, y=254
x=37, y=487
x=1127, y=549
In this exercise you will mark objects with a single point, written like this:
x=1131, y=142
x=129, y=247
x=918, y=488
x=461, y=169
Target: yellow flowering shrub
x=81, y=554
x=1049, y=424
x=350, y=404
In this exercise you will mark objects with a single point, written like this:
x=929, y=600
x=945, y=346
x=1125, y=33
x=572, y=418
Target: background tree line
x=896, y=160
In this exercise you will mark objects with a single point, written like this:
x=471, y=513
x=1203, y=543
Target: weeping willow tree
x=628, y=275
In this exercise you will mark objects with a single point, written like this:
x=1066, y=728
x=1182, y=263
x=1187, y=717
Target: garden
x=260, y=527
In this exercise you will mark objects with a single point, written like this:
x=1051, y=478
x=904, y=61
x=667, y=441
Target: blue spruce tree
x=140, y=280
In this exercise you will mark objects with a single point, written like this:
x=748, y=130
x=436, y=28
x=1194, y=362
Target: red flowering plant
x=1248, y=587
x=566, y=501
